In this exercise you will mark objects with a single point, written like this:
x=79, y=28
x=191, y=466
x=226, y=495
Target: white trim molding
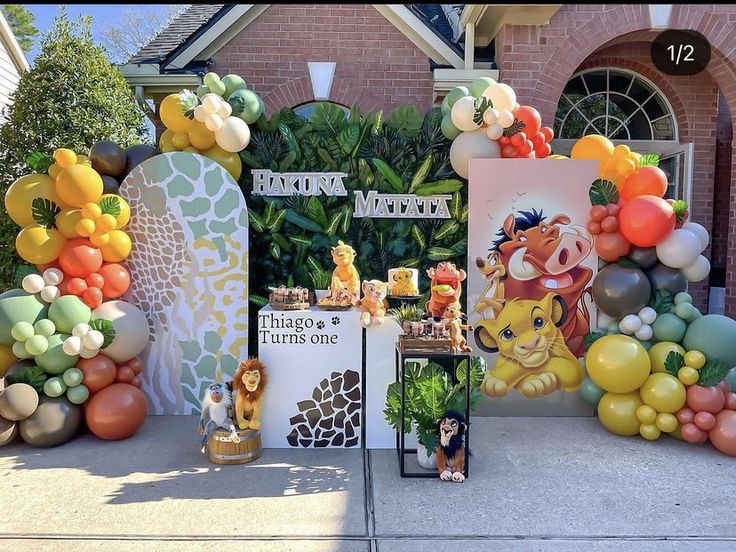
x=12, y=46
x=321, y=75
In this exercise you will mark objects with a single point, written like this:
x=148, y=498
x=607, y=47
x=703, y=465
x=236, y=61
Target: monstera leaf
x=328, y=117
x=406, y=120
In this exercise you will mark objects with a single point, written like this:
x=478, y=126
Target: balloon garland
x=66, y=325
x=655, y=364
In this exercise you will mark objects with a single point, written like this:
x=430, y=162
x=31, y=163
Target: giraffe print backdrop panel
x=189, y=272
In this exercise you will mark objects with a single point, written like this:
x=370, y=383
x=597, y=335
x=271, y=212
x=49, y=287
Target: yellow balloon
x=663, y=392
x=84, y=160
x=617, y=363
x=649, y=431
x=66, y=222
x=22, y=192
x=666, y=422
x=593, y=146
x=91, y=210
x=180, y=140
x=105, y=223
x=54, y=171
x=646, y=414
x=78, y=185
x=7, y=359
x=622, y=150
x=100, y=240
x=172, y=115
x=201, y=137
x=165, y=143
x=557, y=156
x=617, y=412
x=117, y=248
x=124, y=217
x=85, y=227
x=695, y=358
x=659, y=351
x=39, y=245
x=65, y=157
x=229, y=161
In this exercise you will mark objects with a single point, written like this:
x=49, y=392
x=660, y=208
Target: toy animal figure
x=404, y=283
x=451, y=450
x=249, y=383
x=494, y=273
x=453, y=318
x=373, y=303
x=215, y=406
x=445, y=288
x=345, y=276
x=533, y=357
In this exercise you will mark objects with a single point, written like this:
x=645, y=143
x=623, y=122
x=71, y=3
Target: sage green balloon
x=478, y=86
x=54, y=387
x=456, y=93
x=445, y=107
x=22, y=331
x=202, y=90
x=68, y=311
x=55, y=361
x=15, y=306
x=77, y=394
x=731, y=378
x=45, y=327
x=590, y=392
x=246, y=105
x=73, y=377
x=714, y=335
x=683, y=297
x=449, y=130
x=37, y=345
x=670, y=327
x=232, y=83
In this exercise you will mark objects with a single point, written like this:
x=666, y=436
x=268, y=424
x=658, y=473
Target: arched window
x=619, y=104
x=305, y=110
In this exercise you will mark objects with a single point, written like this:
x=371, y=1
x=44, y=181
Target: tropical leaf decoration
x=603, y=192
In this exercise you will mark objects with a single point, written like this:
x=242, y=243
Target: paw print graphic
x=335, y=320
x=321, y=325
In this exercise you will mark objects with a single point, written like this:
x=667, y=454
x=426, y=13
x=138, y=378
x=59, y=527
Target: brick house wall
x=721, y=209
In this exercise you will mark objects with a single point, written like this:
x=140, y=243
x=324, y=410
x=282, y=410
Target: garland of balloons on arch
x=68, y=338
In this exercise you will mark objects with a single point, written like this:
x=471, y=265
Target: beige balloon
x=131, y=329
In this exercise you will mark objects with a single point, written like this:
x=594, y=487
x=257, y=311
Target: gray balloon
x=107, y=158
x=18, y=401
x=645, y=257
x=135, y=155
x=664, y=277
x=55, y=422
x=109, y=185
x=8, y=431
x=620, y=290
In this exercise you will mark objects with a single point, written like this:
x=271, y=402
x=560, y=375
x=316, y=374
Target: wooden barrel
x=223, y=451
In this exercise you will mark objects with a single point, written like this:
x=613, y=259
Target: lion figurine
x=373, y=303
x=249, y=383
x=533, y=357
x=450, y=452
x=345, y=276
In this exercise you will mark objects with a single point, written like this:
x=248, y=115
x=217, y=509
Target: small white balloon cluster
x=639, y=325
x=231, y=133
x=682, y=249
x=84, y=341
x=498, y=116
x=47, y=284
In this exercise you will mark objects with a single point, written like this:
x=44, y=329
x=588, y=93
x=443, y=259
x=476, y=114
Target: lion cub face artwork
x=533, y=357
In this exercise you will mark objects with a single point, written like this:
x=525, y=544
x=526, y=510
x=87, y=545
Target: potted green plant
x=321, y=282
x=429, y=393
x=405, y=315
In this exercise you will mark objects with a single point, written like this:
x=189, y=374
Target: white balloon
x=494, y=131
x=462, y=114
x=93, y=340
x=502, y=96
x=699, y=231
x=81, y=329
x=88, y=353
x=33, y=283
x=698, y=270
x=647, y=315
x=472, y=145
x=200, y=113
x=516, y=106
x=211, y=103
x=644, y=333
x=490, y=116
x=131, y=329
x=629, y=324
x=72, y=345
x=234, y=135
x=50, y=294
x=681, y=248
x=505, y=118
x=53, y=276
x=213, y=122
x=225, y=110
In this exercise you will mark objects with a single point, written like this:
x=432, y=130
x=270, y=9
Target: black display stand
x=455, y=358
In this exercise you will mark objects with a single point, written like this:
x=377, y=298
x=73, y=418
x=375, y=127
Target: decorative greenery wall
x=291, y=236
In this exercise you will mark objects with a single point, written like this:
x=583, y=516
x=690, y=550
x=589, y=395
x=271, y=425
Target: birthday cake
x=403, y=282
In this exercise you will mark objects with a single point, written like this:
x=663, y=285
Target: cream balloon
x=131, y=329
x=225, y=110
x=490, y=116
x=72, y=345
x=505, y=118
x=211, y=103
x=88, y=353
x=93, y=340
x=53, y=276
x=472, y=145
x=697, y=271
x=462, y=114
x=494, y=131
x=502, y=96
x=214, y=122
x=699, y=231
x=234, y=135
x=49, y=294
x=80, y=330
x=33, y=283
x=680, y=249
x=200, y=114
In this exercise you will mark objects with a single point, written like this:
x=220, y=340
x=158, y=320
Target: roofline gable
x=12, y=46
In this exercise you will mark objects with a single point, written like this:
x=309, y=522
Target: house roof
x=11, y=45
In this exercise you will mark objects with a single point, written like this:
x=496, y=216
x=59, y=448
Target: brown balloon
x=55, y=422
x=99, y=372
x=18, y=401
x=116, y=412
x=723, y=436
x=135, y=155
x=8, y=431
x=107, y=158
x=109, y=185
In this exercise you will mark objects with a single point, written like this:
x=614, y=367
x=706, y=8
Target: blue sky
x=102, y=15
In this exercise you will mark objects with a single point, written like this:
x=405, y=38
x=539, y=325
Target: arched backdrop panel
x=189, y=275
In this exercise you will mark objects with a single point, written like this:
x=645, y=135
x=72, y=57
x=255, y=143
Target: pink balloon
x=705, y=420
x=731, y=401
x=693, y=434
x=685, y=416
x=723, y=436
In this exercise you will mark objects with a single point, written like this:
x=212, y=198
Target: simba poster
x=529, y=250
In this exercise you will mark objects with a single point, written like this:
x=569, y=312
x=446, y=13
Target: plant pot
x=320, y=294
x=428, y=463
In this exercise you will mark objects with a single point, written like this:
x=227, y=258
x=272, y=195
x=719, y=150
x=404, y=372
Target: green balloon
x=456, y=93
x=45, y=327
x=669, y=327
x=68, y=311
x=449, y=130
x=686, y=311
x=37, y=345
x=202, y=90
x=55, y=361
x=646, y=344
x=73, y=377
x=479, y=86
x=211, y=78
x=714, y=335
x=78, y=394
x=683, y=297
x=246, y=104
x=613, y=328
x=731, y=378
x=590, y=392
x=15, y=306
x=232, y=83
x=218, y=88
x=54, y=387
x=445, y=108
x=22, y=331
x=19, y=350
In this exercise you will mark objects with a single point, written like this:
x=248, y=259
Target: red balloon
x=543, y=151
x=530, y=117
x=95, y=280
x=136, y=365
x=73, y=286
x=548, y=133
x=723, y=436
x=117, y=412
x=99, y=372
x=79, y=258
x=646, y=220
x=693, y=434
x=611, y=246
x=92, y=297
x=125, y=375
x=117, y=280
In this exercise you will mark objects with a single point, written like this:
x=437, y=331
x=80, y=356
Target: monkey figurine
x=215, y=414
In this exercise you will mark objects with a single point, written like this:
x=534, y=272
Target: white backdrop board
x=530, y=190
x=380, y=372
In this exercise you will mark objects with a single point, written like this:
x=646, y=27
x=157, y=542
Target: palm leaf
x=390, y=176
x=421, y=173
x=439, y=187
x=291, y=141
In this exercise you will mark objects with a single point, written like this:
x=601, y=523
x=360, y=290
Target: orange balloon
x=125, y=375
x=611, y=246
x=723, y=436
x=117, y=280
x=80, y=258
x=116, y=412
x=646, y=220
x=99, y=372
x=646, y=180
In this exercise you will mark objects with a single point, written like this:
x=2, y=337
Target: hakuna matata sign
x=371, y=205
